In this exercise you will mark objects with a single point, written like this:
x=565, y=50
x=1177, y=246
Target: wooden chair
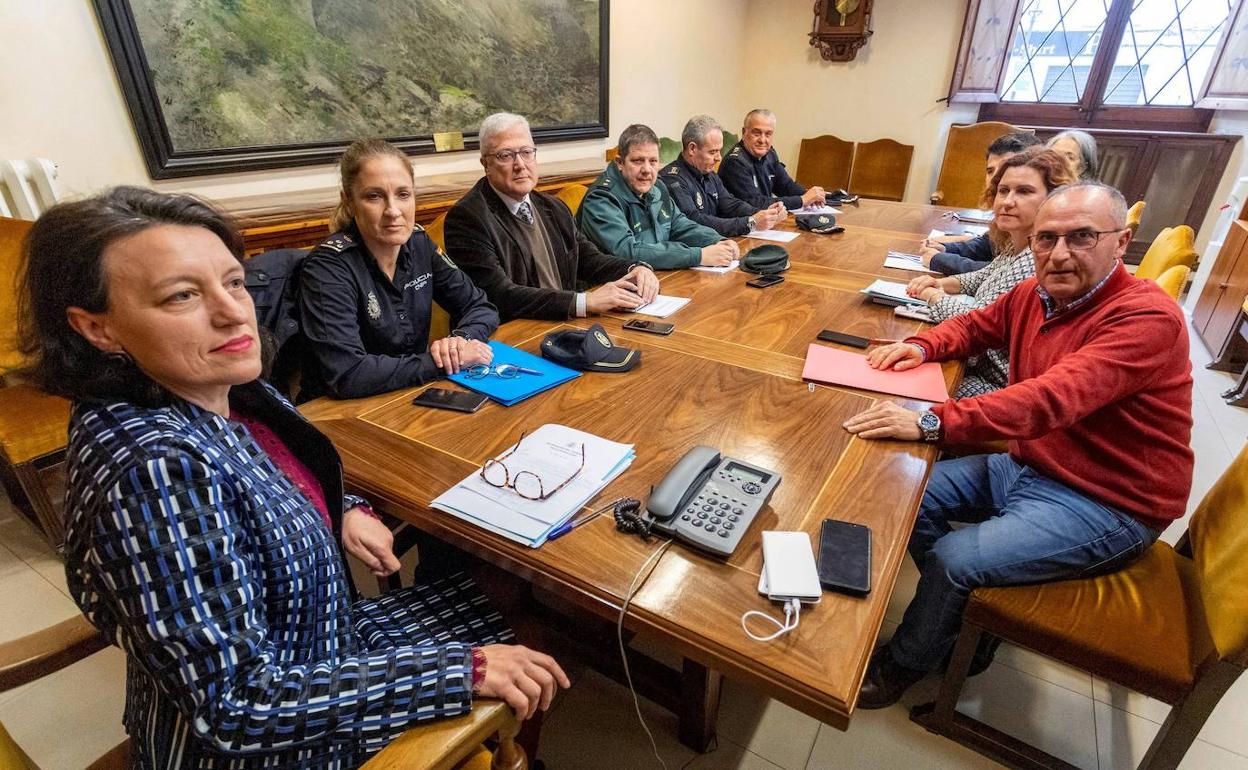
x=961, y=181
x=1172, y=246
x=572, y=194
x=36, y=655
x=1134, y=215
x=438, y=745
x=825, y=161
x=880, y=169
x=1173, y=280
x=32, y=423
x=612, y=153
x=1173, y=626
x=439, y=319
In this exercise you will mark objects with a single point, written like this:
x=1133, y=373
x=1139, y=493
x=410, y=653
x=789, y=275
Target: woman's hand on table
x=454, y=353
x=918, y=285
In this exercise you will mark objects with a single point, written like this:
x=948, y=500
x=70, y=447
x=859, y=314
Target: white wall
x=889, y=90
x=670, y=59
x=59, y=96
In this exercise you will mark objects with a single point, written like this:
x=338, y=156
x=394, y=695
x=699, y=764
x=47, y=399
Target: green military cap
x=768, y=259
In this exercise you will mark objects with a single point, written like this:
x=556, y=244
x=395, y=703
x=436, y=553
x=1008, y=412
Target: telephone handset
x=709, y=501
x=680, y=485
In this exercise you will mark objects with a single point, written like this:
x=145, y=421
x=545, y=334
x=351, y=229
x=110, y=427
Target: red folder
x=833, y=366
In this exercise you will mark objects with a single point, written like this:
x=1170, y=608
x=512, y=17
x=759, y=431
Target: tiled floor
x=1085, y=721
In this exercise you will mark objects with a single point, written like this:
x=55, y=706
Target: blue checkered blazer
x=245, y=646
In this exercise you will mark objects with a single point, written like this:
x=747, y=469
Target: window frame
x=973, y=70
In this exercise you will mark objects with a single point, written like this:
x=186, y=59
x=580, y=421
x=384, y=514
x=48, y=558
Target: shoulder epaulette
x=447, y=260
x=418, y=228
x=673, y=171
x=338, y=242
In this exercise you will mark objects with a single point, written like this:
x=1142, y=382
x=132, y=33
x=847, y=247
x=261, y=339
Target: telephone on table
x=709, y=501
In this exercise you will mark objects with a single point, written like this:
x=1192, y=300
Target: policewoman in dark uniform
x=700, y=193
x=752, y=171
x=366, y=294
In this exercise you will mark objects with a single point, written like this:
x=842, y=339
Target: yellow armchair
x=1173, y=625
x=1172, y=246
x=572, y=194
x=1173, y=280
x=1134, y=215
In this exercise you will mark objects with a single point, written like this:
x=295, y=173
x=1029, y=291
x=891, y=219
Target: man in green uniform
x=628, y=214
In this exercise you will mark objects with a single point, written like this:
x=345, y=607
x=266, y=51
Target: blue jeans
x=1025, y=529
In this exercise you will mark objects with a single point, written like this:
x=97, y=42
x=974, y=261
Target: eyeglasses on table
x=527, y=484
x=505, y=371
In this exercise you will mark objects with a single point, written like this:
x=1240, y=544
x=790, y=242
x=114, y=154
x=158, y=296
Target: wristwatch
x=929, y=423
x=753, y=224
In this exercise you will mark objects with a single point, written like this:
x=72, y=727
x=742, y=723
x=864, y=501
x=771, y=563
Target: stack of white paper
x=713, y=269
x=890, y=293
x=662, y=306
x=900, y=260
x=780, y=236
x=553, y=453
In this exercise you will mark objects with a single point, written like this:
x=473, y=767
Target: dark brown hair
x=360, y=152
x=1052, y=167
x=63, y=267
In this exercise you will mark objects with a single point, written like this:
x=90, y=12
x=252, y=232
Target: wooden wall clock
x=841, y=28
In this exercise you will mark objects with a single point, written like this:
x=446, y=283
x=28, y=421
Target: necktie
x=525, y=212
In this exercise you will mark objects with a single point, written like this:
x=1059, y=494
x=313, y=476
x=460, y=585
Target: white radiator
x=27, y=187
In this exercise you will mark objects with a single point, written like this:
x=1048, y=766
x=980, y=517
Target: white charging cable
x=792, y=613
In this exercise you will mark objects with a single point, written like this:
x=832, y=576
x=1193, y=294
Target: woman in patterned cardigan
x=205, y=515
x=1020, y=185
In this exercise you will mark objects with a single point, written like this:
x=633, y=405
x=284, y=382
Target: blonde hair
x=360, y=152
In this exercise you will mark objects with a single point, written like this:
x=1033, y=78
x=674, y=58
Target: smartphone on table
x=763, y=281
x=827, y=335
x=653, y=327
x=455, y=400
x=845, y=557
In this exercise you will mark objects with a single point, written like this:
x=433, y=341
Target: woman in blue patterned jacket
x=204, y=514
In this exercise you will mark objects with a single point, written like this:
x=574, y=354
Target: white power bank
x=789, y=570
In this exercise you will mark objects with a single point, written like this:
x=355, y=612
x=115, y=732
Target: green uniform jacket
x=651, y=230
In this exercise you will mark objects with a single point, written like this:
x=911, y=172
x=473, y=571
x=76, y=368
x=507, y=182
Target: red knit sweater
x=1100, y=398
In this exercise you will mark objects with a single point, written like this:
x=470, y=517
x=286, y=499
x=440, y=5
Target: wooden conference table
x=728, y=377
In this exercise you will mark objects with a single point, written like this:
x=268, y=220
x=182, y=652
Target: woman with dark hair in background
x=204, y=514
x=366, y=294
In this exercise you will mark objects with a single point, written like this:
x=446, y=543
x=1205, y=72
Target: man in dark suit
x=753, y=172
x=698, y=190
x=522, y=247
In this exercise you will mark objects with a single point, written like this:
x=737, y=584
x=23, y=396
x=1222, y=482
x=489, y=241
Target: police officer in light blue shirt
x=699, y=192
x=753, y=172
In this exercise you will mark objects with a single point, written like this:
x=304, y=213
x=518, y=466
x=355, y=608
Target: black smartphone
x=827, y=335
x=845, y=557
x=654, y=327
x=456, y=400
x=763, y=281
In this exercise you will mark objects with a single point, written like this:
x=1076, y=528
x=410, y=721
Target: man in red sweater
x=1098, y=417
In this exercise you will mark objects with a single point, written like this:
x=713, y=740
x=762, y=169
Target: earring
x=119, y=357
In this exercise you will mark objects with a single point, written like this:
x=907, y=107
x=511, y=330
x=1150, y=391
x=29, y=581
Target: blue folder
x=514, y=390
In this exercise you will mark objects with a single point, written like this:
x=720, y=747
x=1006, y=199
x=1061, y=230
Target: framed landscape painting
x=216, y=86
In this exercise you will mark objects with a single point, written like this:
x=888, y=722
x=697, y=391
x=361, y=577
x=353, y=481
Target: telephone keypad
x=717, y=516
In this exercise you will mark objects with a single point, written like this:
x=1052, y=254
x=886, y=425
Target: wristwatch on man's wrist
x=929, y=424
x=753, y=224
